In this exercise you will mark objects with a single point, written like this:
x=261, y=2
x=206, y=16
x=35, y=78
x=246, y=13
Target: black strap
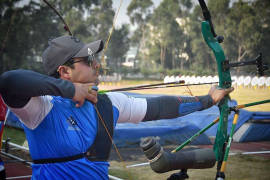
x=101, y=148
x=58, y=160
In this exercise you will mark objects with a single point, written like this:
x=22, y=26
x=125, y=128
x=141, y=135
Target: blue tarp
x=250, y=132
x=176, y=131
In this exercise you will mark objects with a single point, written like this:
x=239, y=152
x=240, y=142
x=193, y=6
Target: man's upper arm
x=130, y=109
x=32, y=114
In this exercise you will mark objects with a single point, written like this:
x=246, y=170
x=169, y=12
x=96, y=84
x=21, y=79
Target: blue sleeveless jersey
x=66, y=131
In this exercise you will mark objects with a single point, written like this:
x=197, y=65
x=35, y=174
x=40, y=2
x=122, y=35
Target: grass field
x=239, y=167
x=241, y=94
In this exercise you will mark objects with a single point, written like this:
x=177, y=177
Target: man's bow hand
x=217, y=94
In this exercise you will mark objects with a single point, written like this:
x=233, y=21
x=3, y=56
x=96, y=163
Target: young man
x=66, y=137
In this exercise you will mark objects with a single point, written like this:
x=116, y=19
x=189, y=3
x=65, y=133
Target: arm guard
x=168, y=107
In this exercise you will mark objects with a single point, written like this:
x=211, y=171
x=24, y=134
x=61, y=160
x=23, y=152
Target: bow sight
x=261, y=67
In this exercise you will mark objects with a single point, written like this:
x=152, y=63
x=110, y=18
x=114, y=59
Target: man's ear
x=64, y=72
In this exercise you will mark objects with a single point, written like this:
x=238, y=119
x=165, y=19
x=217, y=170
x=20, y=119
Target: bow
x=66, y=27
x=223, y=141
x=212, y=40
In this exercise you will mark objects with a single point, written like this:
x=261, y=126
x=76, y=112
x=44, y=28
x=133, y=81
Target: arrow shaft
x=195, y=136
x=252, y=104
x=153, y=86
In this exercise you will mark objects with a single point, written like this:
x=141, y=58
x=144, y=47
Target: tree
x=243, y=32
x=139, y=12
x=118, y=47
x=263, y=17
x=167, y=32
x=22, y=36
x=25, y=30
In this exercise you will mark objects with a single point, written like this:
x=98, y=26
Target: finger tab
x=95, y=88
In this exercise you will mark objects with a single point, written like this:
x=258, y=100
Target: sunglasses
x=88, y=60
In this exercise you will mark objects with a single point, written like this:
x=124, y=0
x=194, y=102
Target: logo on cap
x=90, y=52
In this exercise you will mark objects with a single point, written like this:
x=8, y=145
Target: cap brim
x=91, y=48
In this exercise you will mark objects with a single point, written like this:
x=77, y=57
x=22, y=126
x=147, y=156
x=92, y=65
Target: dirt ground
x=246, y=167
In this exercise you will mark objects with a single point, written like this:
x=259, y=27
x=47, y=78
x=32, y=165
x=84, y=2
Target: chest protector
x=101, y=147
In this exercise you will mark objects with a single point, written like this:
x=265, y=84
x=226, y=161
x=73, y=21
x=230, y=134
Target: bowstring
x=114, y=145
x=98, y=113
x=103, y=61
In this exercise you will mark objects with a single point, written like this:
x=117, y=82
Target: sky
x=122, y=16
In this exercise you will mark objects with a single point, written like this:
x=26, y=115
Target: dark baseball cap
x=63, y=48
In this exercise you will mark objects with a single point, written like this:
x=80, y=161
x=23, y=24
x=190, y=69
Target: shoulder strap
x=101, y=148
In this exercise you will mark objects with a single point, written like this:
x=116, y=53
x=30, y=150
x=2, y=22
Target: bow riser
x=224, y=82
x=224, y=75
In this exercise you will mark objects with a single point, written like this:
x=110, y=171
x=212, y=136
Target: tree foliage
x=244, y=25
x=168, y=37
x=26, y=29
x=118, y=47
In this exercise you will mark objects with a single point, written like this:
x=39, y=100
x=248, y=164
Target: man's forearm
x=167, y=107
x=18, y=86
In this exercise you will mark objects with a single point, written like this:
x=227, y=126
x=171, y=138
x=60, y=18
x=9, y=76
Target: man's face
x=84, y=71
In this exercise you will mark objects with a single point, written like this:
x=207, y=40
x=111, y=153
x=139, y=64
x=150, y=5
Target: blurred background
x=151, y=39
